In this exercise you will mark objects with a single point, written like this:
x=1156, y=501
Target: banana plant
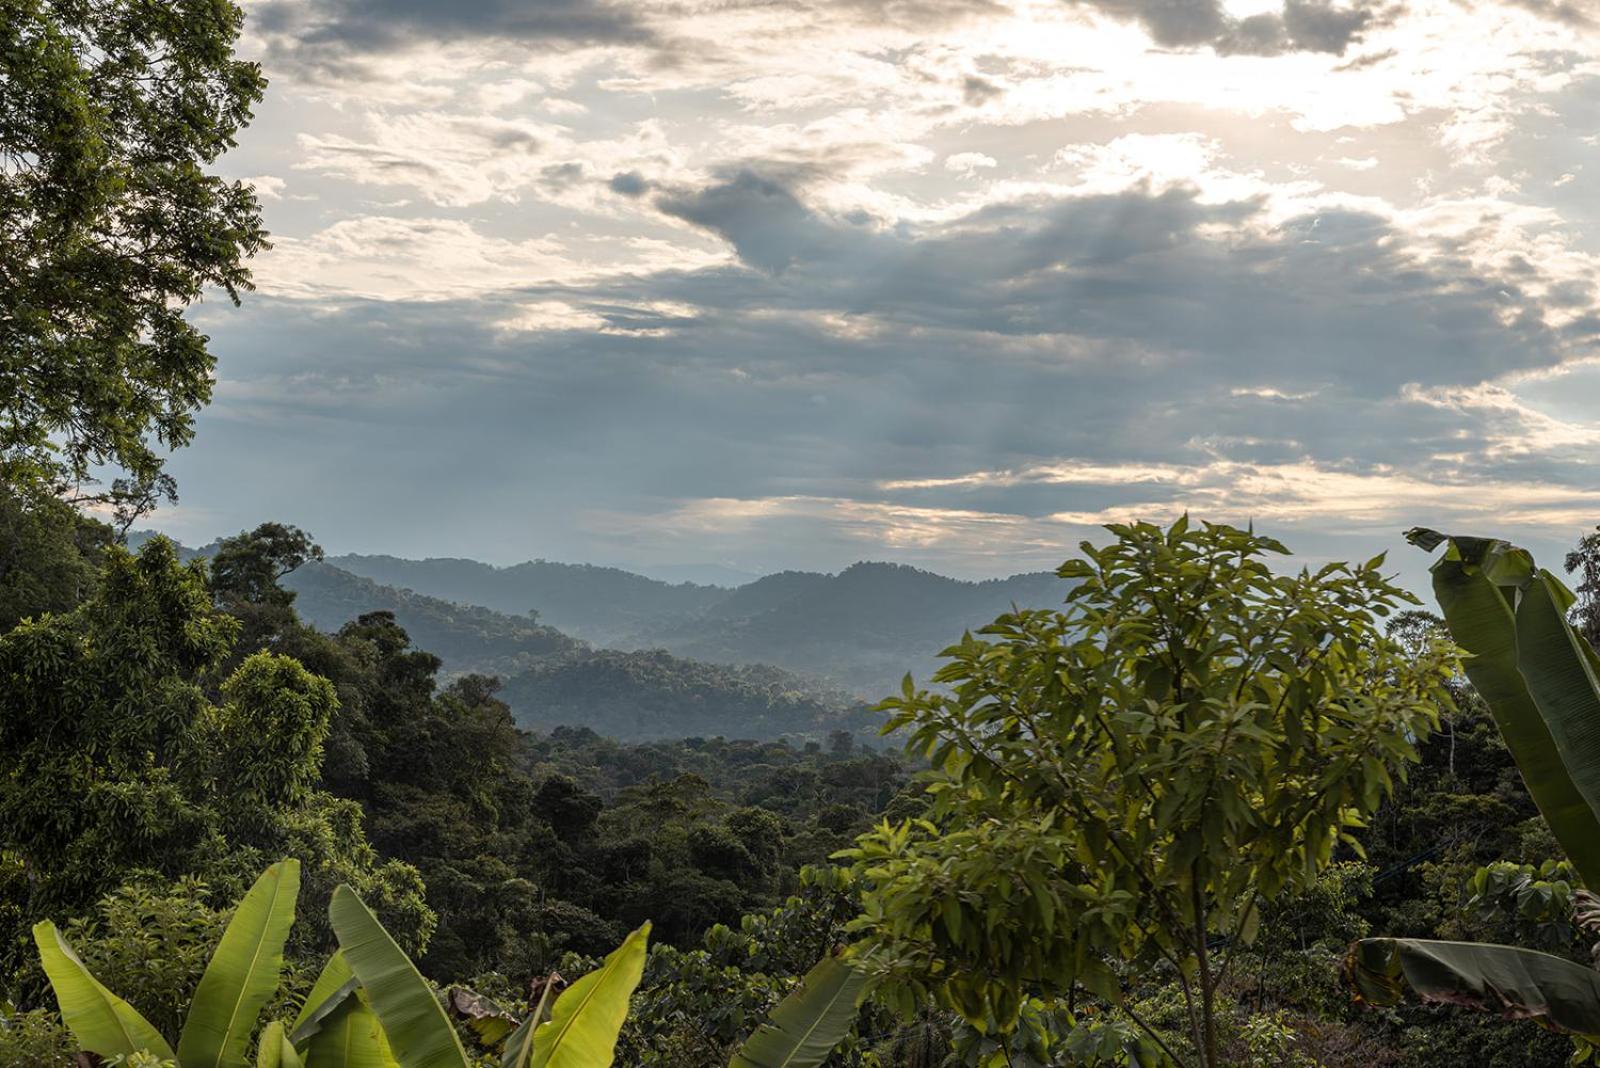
x=239, y=980
x=371, y=974
x=1541, y=681
x=810, y=1022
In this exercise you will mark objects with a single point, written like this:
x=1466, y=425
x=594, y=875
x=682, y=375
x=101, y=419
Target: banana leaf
x=417, y=1028
x=276, y=1051
x=336, y=983
x=350, y=1037
x=587, y=1017
x=243, y=973
x=102, y=1023
x=1480, y=585
x=481, y=1015
x=808, y=1024
x=1519, y=984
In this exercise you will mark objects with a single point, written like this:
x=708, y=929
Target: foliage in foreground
x=1541, y=679
x=1130, y=781
x=371, y=1006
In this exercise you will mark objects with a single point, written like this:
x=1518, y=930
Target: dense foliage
x=110, y=224
x=1139, y=774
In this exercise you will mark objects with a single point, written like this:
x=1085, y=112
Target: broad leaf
x=1478, y=583
x=102, y=1023
x=583, y=1025
x=484, y=1017
x=336, y=983
x=1517, y=983
x=417, y=1028
x=350, y=1037
x=276, y=1051
x=243, y=973
x=806, y=1026
x=1556, y=661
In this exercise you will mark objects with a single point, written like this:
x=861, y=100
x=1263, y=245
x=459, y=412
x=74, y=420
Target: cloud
x=322, y=38
x=970, y=392
x=969, y=162
x=1301, y=26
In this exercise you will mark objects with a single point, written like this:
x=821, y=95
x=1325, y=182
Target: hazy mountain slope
x=865, y=627
x=861, y=629
x=652, y=694
x=466, y=637
x=598, y=603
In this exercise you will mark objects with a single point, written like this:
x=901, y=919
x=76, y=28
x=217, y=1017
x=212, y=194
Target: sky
x=775, y=284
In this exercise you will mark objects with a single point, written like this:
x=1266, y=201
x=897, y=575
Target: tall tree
x=1132, y=779
x=114, y=761
x=110, y=225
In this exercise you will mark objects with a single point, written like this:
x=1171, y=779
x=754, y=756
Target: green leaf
x=336, y=983
x=1476, y=583
x=350, y=1037
x=102, y=1023
x=276, y=1051
x=243, y=973
x=481, y=1015
x=806, y=1026
x=417, y=1028
x=583, y=1025
x=1556, y=661
x=1516, y=983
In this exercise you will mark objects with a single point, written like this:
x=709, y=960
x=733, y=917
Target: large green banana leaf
x=416, y=1026
x=1555, y=659
x=336, y=983
x=587, y=1017
x=1516, y=983
x=102, y=1023
x=276, y=1051
x=349, y=1037
x=806, y=1026
x=1482, y=586
x=243, y=973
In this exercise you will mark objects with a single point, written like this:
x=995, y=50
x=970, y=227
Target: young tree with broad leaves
x=1118, y=788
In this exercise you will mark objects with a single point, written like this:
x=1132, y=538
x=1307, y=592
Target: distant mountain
x=861, y=629
x=467, y=638
x=700, y=574
x=598, y=603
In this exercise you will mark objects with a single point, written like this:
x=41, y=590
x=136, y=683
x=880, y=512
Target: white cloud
x=969, y=162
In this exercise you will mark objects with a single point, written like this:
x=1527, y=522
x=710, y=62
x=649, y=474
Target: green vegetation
x=1190, y=741
x=1145, y=829
x=1539, y=676
x=110, y=225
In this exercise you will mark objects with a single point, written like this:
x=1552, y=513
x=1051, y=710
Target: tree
x=114, y=761
x=1584, y=561
x=50, y=556
x=1130, y=780
x=110, y=225
x=249, y=568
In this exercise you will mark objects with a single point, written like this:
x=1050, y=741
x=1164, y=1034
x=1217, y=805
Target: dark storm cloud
x=1302, y=25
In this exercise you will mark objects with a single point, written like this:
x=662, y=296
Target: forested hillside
x=551, y=679
x=859, y=630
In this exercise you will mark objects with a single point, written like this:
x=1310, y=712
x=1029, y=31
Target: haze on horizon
x=789, y=285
